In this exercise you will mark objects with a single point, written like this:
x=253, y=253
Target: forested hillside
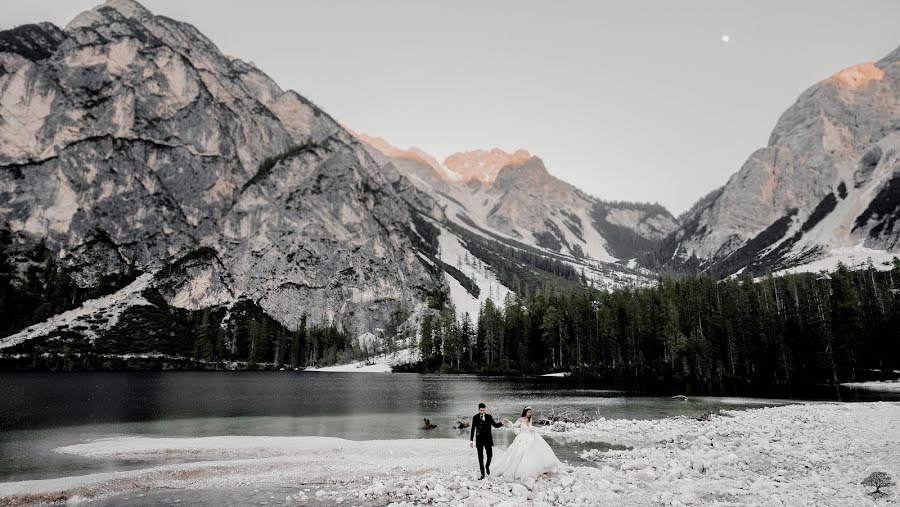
x=738, y=334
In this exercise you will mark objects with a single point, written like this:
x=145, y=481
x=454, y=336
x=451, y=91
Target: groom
x=480, y=437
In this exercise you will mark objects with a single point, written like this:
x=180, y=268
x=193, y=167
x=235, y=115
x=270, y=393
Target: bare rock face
x=128, y=141
x=527, y=201
x=827, y=182
x=483, y=165
x=196, y=281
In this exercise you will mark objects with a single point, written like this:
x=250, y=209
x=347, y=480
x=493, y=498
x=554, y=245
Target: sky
x=629, y=100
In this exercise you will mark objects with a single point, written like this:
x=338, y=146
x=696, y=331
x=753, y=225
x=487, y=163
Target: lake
x=42, y=411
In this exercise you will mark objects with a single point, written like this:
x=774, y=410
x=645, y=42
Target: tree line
x=42, y=286
x=737, y=334
x=156, y=334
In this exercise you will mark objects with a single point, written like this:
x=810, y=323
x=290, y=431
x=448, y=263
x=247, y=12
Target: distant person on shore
x=480, y=437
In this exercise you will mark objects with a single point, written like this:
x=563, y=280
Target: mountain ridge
x=517, y=196
x=804, y=197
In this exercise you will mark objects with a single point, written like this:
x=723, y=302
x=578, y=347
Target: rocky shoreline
x=804, y=454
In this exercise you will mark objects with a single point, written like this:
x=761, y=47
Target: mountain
x=511, y=227
x=484, y=165
x=132, y=148
x=512, y=195
x=825, y=189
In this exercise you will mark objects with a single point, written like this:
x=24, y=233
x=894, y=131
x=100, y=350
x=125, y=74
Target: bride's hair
x=525, y=412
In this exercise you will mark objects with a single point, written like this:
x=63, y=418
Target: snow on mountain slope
x=453, y=252
x=108, y=307
x=855, y=257
x=514, y=197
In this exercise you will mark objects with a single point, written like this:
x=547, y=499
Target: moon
x=726, y=38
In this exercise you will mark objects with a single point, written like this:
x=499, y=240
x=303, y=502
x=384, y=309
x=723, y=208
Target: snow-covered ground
x=856, y=257
x=809, y=454
x=890, y=386
x=455, y=254
x=110, y=306
x=379, y=364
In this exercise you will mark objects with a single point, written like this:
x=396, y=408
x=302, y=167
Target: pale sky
x=629, y=100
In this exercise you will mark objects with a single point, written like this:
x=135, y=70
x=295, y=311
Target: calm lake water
x=42, y=411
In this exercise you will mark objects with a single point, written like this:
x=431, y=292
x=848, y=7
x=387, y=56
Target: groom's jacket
x=481, y=430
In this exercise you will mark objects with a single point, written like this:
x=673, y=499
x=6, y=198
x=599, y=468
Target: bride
x=528, y=456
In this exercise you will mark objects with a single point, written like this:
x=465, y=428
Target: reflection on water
x=41, y=411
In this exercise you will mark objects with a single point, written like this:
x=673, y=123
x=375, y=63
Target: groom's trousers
x=489, y=450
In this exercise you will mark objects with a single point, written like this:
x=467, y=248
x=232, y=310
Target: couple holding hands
x=524, y=460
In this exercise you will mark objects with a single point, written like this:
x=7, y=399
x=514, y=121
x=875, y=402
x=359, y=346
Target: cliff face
x=826, y=183
x=128, y=140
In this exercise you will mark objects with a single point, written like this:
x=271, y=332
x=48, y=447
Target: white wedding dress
x=526, y=458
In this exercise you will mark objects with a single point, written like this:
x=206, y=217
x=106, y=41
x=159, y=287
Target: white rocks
x=688, y=498
x=633, y=465
x=519, y=490
x=434, y=471
x=645, y=475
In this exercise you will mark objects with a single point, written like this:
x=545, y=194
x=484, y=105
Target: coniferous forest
x=776, y=334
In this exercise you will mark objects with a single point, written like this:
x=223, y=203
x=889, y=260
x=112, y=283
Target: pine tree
x=426, y=341
x=846, y=320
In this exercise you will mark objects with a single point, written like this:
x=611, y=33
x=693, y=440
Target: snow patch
x=455, y=254
x=888, y=386
x=379, y=364
x=111, y=306
x=856, y=257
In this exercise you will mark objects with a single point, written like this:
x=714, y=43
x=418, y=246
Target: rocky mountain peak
x=824, y=188
x=530, y=171
x=129, y=8
x=412, y=153
x=483, y=165
x=103, y=13
x=857, y=76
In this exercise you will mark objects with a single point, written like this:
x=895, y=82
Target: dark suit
x=481, y=435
